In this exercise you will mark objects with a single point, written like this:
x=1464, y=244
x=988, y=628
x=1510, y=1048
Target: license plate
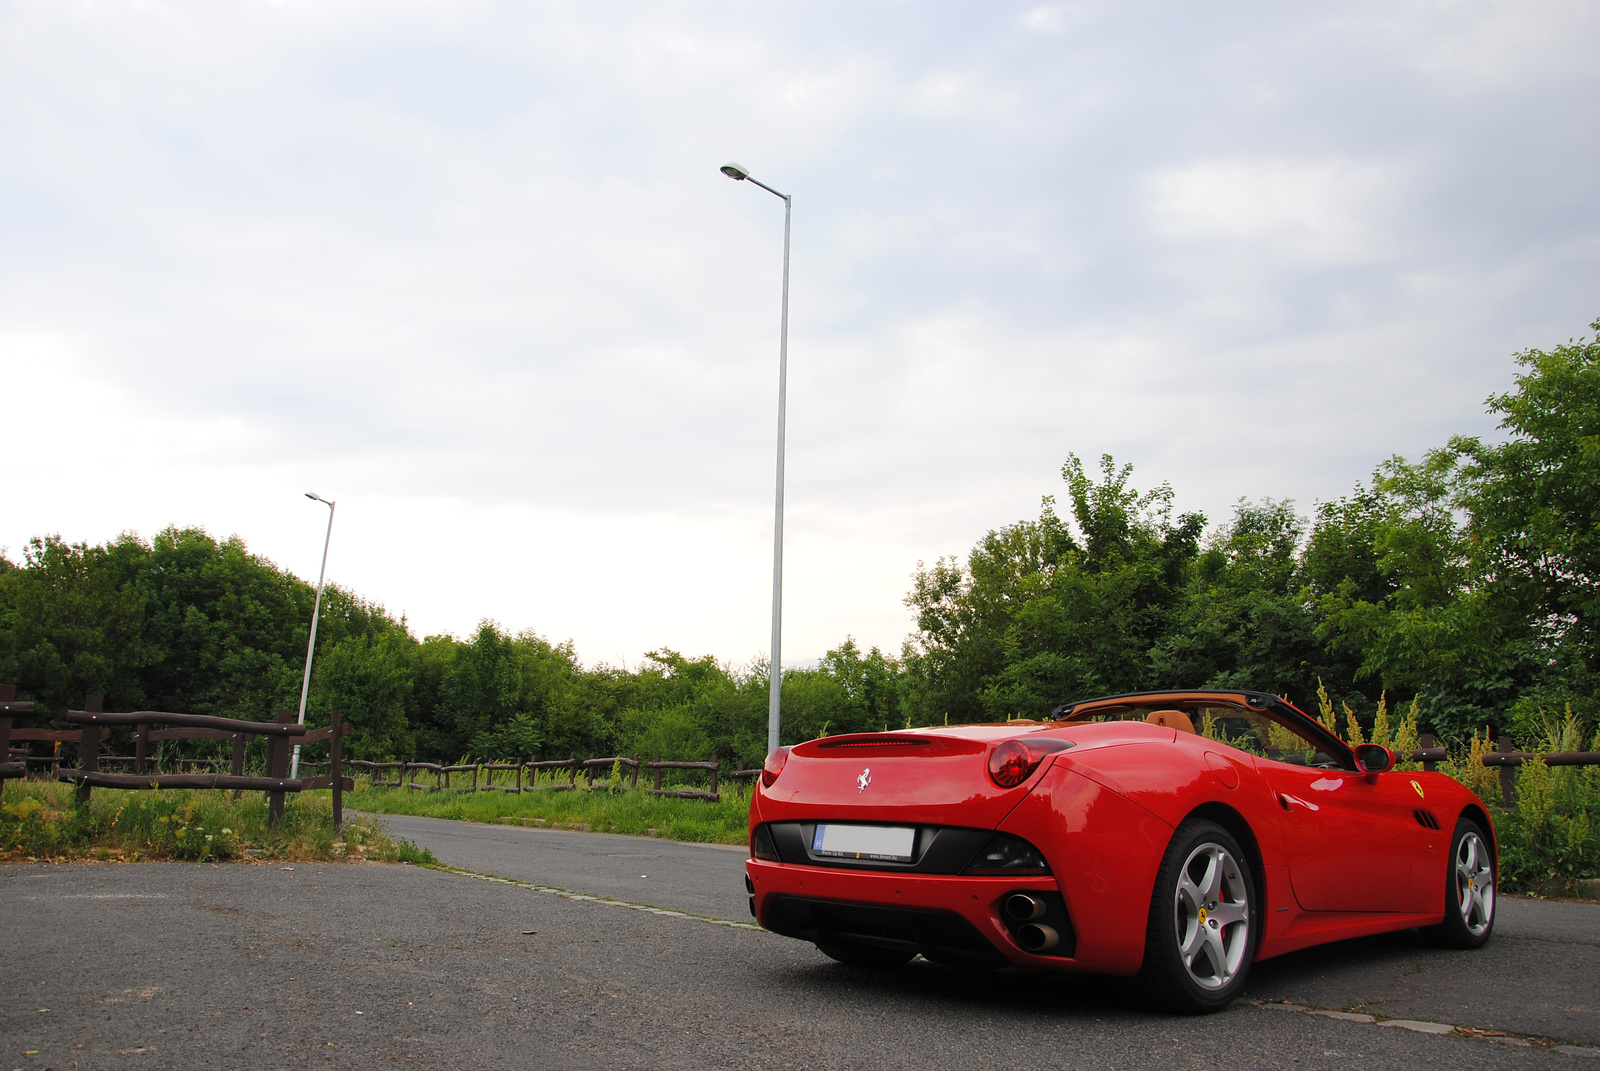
x=890, y=843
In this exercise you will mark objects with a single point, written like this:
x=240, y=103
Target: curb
x=1497, y=1037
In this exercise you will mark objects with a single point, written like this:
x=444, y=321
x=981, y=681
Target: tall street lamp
x=316, y=611
x=775, y=672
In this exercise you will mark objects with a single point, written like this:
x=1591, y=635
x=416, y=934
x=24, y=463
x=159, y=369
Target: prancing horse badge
x=864, y=779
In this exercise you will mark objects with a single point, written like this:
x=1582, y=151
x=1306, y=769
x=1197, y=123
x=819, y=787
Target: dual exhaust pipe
x=1032, y=935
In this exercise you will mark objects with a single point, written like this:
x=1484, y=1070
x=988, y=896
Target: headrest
x=1171, y=719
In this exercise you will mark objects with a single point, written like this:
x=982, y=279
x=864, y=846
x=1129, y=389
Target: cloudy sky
x=470, y=269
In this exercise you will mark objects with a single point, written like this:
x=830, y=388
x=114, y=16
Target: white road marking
x=569, y=895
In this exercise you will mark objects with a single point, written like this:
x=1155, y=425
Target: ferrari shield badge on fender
x=864, y=779
x=1419, y=790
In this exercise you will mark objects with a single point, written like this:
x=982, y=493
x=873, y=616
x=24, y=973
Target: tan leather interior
x=1171, y=719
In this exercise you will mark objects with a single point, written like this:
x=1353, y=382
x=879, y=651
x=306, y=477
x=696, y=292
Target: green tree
x=1533, y=503
x=503, y=695
x=1245, y=621
x=230, y=627
x=370, y=681
x=1039, y=616
x=72, y=624
x=1428, y=620
x=694, y=707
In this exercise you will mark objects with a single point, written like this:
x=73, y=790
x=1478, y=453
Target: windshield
x=1248, y=730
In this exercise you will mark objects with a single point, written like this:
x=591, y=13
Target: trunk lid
x=917, y=776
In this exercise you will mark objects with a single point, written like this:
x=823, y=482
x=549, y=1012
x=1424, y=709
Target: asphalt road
x=184, y=965
x=1540, y=975
x=702, y=879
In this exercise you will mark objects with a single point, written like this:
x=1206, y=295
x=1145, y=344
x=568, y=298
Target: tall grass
x=41, y=820
x=1551, y=839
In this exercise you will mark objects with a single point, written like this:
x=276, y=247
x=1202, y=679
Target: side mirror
x=1373, y=759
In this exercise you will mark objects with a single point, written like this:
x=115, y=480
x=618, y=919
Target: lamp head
x=318, y=498
x=737, y=172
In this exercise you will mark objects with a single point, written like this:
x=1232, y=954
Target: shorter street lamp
x=316, y=611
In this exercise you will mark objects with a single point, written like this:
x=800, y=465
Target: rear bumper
x=947, y=918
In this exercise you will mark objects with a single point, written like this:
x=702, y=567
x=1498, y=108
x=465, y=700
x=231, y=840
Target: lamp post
x=316, y=611
x=775, y=672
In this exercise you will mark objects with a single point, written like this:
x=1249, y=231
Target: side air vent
x=1426, y=818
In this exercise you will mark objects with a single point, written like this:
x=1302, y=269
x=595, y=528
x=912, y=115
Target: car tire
x=1471, y=881
x=866, y=956
x=1204, y=922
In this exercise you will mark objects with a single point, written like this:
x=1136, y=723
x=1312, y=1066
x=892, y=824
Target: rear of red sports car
x=948, y=843
x=1172, y=835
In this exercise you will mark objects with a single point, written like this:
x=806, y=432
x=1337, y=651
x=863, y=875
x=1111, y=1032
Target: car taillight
x=774, y=765
x=1005, y=854
x=761, y=846
x=1014, y=761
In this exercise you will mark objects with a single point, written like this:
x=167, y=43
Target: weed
x=408, y=852
x=43, y=820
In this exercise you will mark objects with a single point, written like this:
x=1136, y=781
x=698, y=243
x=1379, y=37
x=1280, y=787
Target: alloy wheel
x=1474, y=883
x=1212, y=914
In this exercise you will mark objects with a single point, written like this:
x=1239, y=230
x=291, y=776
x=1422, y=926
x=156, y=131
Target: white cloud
x=470, y=269
x=1300, y=214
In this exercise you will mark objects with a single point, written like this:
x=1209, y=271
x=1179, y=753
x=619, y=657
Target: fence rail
x=94, y=727
x=1508, y=758
x=526, y=781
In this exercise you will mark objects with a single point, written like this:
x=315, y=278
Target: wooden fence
x=1508, y=758
x=10, y=707
x=1429, y=754
x=94, y=726
x=524, y=775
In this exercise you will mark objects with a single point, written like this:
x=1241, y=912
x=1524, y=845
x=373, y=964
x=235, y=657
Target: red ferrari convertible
x=1173, y=836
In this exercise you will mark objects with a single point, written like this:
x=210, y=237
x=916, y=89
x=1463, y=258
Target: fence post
x=717, y=766
x=658, y=771
x=236, y=767
x=1508, y=777
x=138, y=748
x=635, y=770
x=519, y=777
x=278, y=767
x=334, y=756
x=475, y=778
x=1425, y=741
x=572, y=774
x=589, y=766
x=8, y=692
x=89, y=746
